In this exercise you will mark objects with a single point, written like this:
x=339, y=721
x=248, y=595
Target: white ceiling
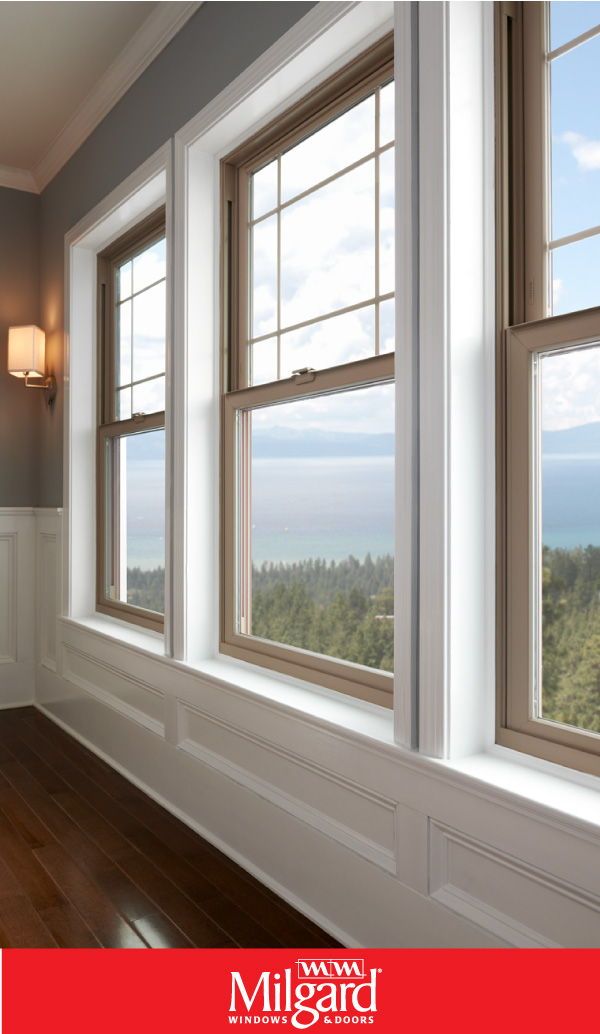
x=56, y=60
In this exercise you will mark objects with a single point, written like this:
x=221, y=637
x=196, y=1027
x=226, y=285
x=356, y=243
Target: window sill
x=121, y=631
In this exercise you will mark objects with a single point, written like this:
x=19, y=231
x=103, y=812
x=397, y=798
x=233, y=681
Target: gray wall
x=218, y=43
x=20, y=410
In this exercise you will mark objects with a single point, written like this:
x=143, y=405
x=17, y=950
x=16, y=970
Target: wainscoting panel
x=526, y=906
x=17, y=621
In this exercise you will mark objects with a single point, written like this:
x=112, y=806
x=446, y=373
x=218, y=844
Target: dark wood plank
x=68, y=928
x=159, y=932
x=32, y=878
x=21, y=926
x=94, y=906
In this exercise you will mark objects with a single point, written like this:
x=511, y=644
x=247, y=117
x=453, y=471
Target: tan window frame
x=110, y=429
x=525, y=331
x=372, y=69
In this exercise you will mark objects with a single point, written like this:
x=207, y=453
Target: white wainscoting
x=380, y=847
x=17, y=618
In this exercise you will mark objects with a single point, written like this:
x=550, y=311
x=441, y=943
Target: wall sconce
x=27, y=359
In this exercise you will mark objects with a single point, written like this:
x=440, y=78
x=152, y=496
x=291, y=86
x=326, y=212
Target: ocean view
x=332, y=507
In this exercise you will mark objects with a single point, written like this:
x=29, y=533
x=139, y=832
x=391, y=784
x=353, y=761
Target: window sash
x=352, y=679
x=110, y=428
x=519, y=727
x=366, y=74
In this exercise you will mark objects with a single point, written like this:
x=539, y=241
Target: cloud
x=571, y=388
x=585, y=152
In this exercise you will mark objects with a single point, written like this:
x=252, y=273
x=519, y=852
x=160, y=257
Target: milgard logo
x=338, y=991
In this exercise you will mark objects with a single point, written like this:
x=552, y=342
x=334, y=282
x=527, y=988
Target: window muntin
x=571, y=153
x=131, y=432
x=309, y=339
x=321, y=239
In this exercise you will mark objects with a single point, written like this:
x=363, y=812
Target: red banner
x=126, y=992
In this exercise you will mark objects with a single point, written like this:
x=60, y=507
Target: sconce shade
x=26, y=352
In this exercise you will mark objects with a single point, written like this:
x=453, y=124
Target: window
x=549, y=381
x=308, y=400
x=131, y=433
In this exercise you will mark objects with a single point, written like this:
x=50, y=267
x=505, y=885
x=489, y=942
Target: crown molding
x=152, y=37
x=18, y=179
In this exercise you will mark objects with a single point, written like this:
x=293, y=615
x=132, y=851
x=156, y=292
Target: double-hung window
x=131, y=431
x=308, y=393
x=549, y=380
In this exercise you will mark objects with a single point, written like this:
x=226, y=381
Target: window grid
x=554, y=243
x=376, y=299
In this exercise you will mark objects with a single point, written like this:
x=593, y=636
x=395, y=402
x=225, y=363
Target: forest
x=571, y=636
x=344, y=610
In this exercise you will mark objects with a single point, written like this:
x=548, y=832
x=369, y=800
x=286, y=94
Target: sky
x=571, y=382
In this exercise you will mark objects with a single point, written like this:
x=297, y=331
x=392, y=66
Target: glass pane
x=149, y=327
x=328, y=247
x=341, y=339
x=263, y=244
x=149, y=396
x=575, y=135
x=136, y=524
x=570, y=504
x=150, y=266
x=387, y=326
x=124, y=404
x=263, y=359
x=386, y=114
x=338, y=144
x=124, y=281
x=386, y=222
x=575, y=279
x=569, y=18
x=124, y=343
x=264, y=190
x=322, y=524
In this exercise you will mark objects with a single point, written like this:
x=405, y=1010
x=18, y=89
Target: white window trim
x=139, y=195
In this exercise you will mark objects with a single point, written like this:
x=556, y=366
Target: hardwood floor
x=87, y=860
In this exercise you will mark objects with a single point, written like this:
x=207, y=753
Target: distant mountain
x=583, y=440
x=286, y=443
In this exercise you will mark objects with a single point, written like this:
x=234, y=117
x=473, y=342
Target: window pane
x=575, y=279
x=135, y=519
x=124, y=404
x=149, y=396
x=569, y=18
x=321, y=519
x=263, y=360
x=386, y=115
x=387, y=326
x=149, y=326
x=341, y=339
x=386, y=222
x=264, y=190
x=328, y=248
x=264, y=277
x=570, y=567
x=124, y=281
x=338, y=144
x=575, y=133
x=150, y=266
x=124, y=343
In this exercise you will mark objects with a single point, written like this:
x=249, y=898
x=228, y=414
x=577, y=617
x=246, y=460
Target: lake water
x=336, y=507
x=570, y=501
